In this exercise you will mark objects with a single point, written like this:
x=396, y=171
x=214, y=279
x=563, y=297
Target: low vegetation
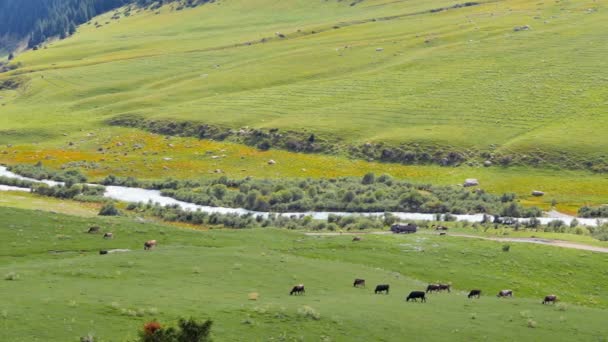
x=39, y=172
x=367, y=194
x=592, y=212
x=213, y=273
x=187, y=331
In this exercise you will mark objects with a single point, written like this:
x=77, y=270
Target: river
x=127, y=194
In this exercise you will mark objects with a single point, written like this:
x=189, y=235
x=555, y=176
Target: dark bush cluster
x=593, y=212
x=369, y=194
x=173, y=213
x=186, y=331
x=15, y=182
x=73, y=191
x=40, y=172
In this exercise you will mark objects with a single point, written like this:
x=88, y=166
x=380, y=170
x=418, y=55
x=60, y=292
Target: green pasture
x=56, y=287
x=460, y=79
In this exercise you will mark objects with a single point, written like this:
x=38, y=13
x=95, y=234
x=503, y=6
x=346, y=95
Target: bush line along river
x=134, y=195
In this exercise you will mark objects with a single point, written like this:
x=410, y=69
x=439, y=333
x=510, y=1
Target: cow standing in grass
x=432, y=288
x=414, y=295
x=382, y=288
x=359, y=283
x=444, y=287
x=437, y=288
x=108, y=236
x=474, y=293
x=505, y=293
x=149, y=244
x=550, y=299
x=298, y=289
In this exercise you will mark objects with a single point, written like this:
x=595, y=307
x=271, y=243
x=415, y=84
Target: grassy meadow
x=459, y=79
x=56, y=287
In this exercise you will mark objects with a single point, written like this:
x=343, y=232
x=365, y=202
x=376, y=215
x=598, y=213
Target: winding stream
x=127, y=194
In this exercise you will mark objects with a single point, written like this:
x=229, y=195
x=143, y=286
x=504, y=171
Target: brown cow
x=432, y=288
x=356, y=238
x=437, y=288
x=443, y=287
x=550, y=299
x=359, y=283
x=298, y=289
x=505, y=293
x=93, y=230
x=108, y=236
x=149, y=244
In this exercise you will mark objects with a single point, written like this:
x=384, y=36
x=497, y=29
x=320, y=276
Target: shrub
x=308, y=312
x=109, y=209
x=186, y=331
x=11, y=276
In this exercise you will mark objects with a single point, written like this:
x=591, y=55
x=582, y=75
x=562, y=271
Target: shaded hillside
x=38, y=20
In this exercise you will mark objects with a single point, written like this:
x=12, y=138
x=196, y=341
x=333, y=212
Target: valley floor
x=57, y=287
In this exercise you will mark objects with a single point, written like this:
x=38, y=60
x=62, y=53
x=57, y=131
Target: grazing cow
x=149, y=244
x=550, y=299
x=103, y=252
x=108, y=236
x=359, y=283
x=474, y=293
x=432, y=288
x=93, y=230
x=382, y=288
x=443, y=233
x=298, y=289
x=441, y=228
x=414, y=295
x=443, y=287
x=437, y=288
x=356, y=238
x=505, y=293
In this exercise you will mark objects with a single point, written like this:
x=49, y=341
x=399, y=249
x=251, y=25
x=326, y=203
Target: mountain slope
x=459, y=81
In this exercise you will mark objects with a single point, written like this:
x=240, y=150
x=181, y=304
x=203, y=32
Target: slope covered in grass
x=460, y=80
x=60, y=288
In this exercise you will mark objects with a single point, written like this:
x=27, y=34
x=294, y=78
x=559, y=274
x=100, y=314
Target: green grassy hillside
x=61, y=288
x=456, y=80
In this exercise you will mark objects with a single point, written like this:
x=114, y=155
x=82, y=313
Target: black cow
x=474, y=293
x=103, y=252
x=356, y=238
x=359, y=283
x=298, y=289
x=414, y=295
x=382, y=288
x=505, y=293
x=550, y=299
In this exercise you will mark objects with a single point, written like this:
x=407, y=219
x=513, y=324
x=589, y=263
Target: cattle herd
x=415, y=295
x=360, y=283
